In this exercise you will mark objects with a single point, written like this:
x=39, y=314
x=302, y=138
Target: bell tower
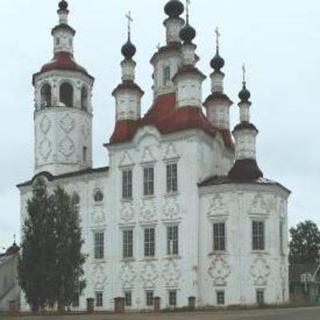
x=63, y=108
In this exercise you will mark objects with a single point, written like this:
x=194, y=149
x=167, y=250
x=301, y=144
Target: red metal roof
x=164, y=115
x=63, y=61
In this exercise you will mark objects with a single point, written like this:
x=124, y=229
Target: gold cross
x=218, y=35
x=129, y=17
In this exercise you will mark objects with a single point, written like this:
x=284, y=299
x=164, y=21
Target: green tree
x=68, y=243
x=305, y=243
x=50, y=266
x=35, y=262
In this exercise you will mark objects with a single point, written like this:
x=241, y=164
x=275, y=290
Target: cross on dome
x=244, y=72
x=188, y=2
x=218, y=35
x=130, y=20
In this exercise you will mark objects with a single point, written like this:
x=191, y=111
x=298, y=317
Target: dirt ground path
x=270, y=314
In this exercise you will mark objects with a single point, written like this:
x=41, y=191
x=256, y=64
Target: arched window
x=45, y=96
x=84, y=98
x=166, y=75
x=75, y=198
x=66, y=94
x=98, y=195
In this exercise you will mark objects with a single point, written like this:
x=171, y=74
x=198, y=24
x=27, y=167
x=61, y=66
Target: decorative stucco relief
x=45, y=125
x=171, y=152
x=128, y=275
x=127, y=212
x=147, y=156
x=148, y=211
x=67, y=123
x=98, y=215
x=85, y=129
x=171, y=273
x=99, y=276
x=218, y=206
x=45, y=148
x=259, y=205
x=149, y=274
x=219, y=270
x=260, y=271
x=171, y=208
x=67, y=147
x=283, y=209
x=126, y=160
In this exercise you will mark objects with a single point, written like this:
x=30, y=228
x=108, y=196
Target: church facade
x=183, y=209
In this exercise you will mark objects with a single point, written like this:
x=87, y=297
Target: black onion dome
x=217, y=63
x=187, y=33
x=128, y=50
x=245, y=170
x=174, y=8
x=244, y=94
x=63, y=5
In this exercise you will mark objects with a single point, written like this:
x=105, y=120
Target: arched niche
x=66, y=94
x=45, y=93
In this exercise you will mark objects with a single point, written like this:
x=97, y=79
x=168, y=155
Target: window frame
x=260, y=296
x=172, y=298
x=166, y=75
x=258, y=238
x=172, y=177
x=220, y=297
x=219, y=241
x=149, y=241
x=99, y=245
x=149, y=298
x=127, y=187
x=127, y=243
x=99, y=299
x=128, y=298
x=173, y=235
x=148, y=181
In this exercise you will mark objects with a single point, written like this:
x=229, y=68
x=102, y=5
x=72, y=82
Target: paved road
x=277, y=314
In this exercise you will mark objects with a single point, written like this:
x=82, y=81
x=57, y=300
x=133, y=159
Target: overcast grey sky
x=278, y=40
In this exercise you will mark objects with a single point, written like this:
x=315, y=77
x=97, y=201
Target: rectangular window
x=173, y=240
x=172, y=178
x=281, y=226
x=127, y=184
x=148, y=181
x=166, y=75
x=84, y=154
x=127, y=243
x=260, y=296
x=128, y=298
x=149, y=298
x=99, y=299
x=172, y=298
x=98, y=245
x=219, y=237
x=220, y=297
x=149, y=242
x=75, y=301
x=258, y=235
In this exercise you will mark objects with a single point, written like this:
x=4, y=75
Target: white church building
x=183, y=209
